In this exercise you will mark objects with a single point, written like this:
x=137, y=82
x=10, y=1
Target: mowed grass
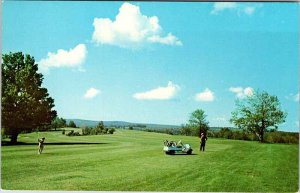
x=134, y=161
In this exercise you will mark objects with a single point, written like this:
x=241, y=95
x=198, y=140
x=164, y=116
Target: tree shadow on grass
x=6, y=143
x=177, y=154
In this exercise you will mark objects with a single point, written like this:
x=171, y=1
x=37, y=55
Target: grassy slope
x=134, y=161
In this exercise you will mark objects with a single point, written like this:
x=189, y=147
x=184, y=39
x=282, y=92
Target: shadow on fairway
x=182, y=154
x=4, y=143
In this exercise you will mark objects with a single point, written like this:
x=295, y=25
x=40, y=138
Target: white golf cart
x=171, y=147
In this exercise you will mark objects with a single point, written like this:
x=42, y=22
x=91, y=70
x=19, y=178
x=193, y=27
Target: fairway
x=134, y=161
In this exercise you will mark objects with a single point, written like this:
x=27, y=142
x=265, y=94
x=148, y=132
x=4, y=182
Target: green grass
x=134, y=161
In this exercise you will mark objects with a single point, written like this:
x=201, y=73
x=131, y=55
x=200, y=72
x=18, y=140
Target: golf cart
x=171, y=147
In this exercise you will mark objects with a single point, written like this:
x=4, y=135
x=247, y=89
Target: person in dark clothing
x=203, y=139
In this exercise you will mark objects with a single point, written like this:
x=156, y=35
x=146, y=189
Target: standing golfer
x=203, y=139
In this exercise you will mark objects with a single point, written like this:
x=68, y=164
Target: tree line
x=100, y=129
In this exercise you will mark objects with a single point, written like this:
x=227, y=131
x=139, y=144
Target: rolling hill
x=91, y=123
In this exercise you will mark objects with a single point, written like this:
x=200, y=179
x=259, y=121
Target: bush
x=76, y=133
x=70, y=133
x=169, y=131
x=105, y=130
x=282, y=137
x=3, y=135
x=111, y=131
x=86, y=131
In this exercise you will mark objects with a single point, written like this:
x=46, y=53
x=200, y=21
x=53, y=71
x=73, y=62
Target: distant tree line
x=271, y=136
x=100, y=129
x=59, y=122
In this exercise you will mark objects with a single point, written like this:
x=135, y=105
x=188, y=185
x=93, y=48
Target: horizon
x=146, y=63
x=162, y=124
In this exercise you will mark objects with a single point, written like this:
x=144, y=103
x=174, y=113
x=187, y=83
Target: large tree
x=198, y=122
x=258, y=113
x=26, y=105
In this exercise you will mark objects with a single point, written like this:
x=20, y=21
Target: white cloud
x=160, y=93
x=170, y=39
x=63, y=58
x=247, y=9
x=242, y=92
x=130, y=29
x=207, y=96
x=293, y=97
x=221, y=6
x=296, y=97
x=91, y=93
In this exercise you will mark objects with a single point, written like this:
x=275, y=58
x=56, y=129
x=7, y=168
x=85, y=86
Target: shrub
x=70, y=133
x=86, y=131
x=3, y=136
x=282, y=137
x=169, y=131
x=76, y=133
x=105, y=130
x=111, y=131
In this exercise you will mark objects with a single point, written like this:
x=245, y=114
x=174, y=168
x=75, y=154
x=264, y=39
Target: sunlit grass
x=134, y=161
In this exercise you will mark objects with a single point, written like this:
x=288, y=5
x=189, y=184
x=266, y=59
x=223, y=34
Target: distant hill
x=90, y=123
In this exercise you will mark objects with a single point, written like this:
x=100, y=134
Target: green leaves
x=258, y=113
x=198, y=121
x=25, y=104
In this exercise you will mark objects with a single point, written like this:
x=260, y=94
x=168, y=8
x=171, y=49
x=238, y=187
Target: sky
x=157, y=62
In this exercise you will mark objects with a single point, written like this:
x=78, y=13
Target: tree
x=26, y=105
x=185, y=130
x=58, y=123
x=99, y=128
x=111, y=131
x=258, y=113
x=198, y=122
x=72, y=124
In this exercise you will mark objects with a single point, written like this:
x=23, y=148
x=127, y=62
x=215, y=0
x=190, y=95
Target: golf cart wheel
x=189, y=152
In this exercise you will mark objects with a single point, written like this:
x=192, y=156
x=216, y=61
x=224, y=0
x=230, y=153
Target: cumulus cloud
x=130, y=29
x=170, y=39
x=207, y=96
x=242, y=92
x=221, y=6
x=91, y=93
x=249, y=10
x=296, y=97
x=73, y=57
x=293, y=97
x=244, y=8
x=160, y=93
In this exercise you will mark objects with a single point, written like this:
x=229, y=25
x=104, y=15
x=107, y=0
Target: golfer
x=203, y=139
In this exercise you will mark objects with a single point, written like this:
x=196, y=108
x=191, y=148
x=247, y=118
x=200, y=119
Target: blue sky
x=158, y=62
